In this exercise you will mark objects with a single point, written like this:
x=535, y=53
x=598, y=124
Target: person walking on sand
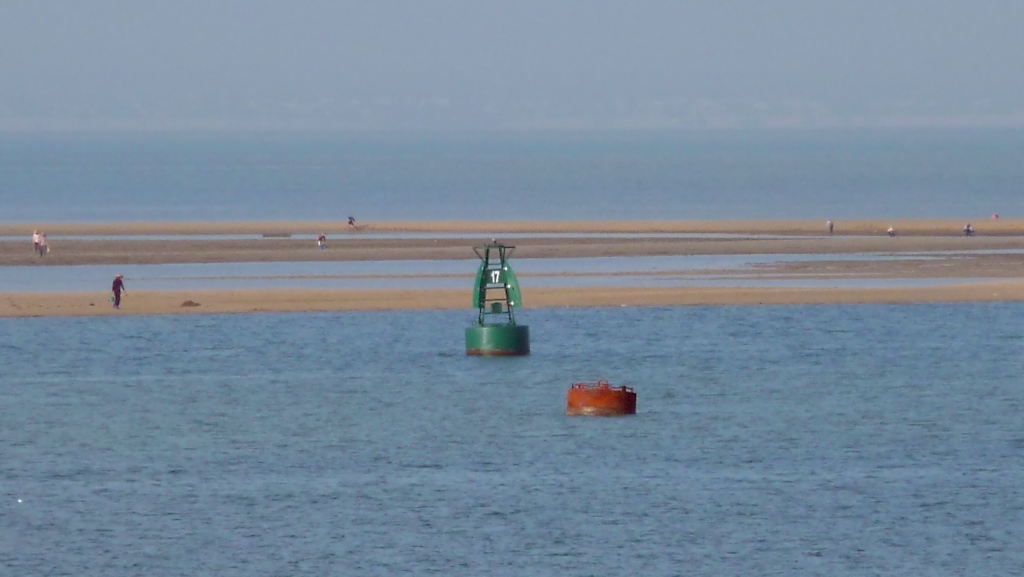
x=117, y=287
x=321, y=241
x=43, y=246
x=830, y=225
x=36, y=239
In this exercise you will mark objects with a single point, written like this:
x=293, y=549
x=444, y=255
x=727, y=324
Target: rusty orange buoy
x=601, y=399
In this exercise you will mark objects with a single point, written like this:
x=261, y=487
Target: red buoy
x=600, y=399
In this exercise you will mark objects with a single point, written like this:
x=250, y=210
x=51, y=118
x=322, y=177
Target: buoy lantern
x=600, y=399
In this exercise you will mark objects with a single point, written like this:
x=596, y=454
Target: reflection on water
x=644, y=271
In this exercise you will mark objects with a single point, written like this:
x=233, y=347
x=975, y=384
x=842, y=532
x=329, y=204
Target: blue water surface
x=595, y=271
x=795, y=440
x=835, y=174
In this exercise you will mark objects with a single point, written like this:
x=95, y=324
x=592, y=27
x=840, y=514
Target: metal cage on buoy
x=600, y=399
x=496, y=297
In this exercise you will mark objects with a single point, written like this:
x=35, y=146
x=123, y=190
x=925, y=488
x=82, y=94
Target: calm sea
x=967, y=174
x=804, y=440
x=799, y=440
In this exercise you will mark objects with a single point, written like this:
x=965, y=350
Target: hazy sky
x=378, y=64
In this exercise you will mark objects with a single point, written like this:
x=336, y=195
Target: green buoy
x=496, y=297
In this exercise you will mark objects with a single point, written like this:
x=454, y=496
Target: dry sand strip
x=905, y=227
x=303, y=300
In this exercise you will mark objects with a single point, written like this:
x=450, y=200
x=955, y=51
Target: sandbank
x=932, y=249
x=905, y=227
x=91, y=244
x=300, y=300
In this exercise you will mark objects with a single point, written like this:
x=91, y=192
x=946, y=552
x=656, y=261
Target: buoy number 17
x=495, y=276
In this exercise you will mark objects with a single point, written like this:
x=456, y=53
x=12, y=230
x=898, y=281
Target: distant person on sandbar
x=891, y=232
x=351, y=222
x=117, y=287
x=321, y=241
x=44, y=247
x=968, y=230
x=36, y=240
x=830, y=225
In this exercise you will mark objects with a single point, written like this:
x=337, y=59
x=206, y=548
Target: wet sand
x=746, y=237
x=95, y=252
x=926, y=249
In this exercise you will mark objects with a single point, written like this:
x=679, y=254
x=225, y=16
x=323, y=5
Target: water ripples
x=840, y=440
